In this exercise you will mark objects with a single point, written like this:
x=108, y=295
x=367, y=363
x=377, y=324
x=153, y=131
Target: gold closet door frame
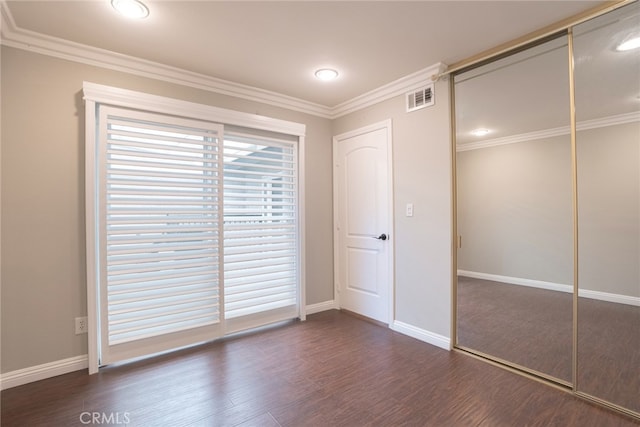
x=557, y=30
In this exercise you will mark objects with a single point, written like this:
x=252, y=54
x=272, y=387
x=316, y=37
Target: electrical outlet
x=81, y=325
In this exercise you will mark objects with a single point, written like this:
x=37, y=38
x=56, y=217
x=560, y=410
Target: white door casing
x=363, y=212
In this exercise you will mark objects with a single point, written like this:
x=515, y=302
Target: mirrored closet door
x=548, y=207
x=607, y=100
x=514, y=211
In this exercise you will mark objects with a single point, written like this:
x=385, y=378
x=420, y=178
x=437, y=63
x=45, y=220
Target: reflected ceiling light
x=629, y=44
x=326, y=74
x=131, y=8
x=480, y=132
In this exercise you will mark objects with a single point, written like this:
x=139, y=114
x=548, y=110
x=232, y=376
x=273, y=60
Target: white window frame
x=96, y=94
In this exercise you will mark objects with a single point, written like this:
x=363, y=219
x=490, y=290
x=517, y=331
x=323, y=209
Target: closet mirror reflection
x=607, y=84
x=514, y=210
x=534, y=216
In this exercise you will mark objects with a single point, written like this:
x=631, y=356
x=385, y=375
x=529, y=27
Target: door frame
x=337, y=139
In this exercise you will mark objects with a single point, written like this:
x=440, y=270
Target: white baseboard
x=321, y=306
x=44, y=371
x=517, y=281
x=606, y=296
x=585, y=293
x=422, y=335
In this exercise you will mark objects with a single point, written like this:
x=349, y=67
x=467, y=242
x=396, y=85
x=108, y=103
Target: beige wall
x=422, y=176
x=43, y=250
x=515, y=211
x=609, y=209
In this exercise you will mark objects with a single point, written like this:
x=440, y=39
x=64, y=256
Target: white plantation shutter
x=260, y=229
x=160, y=205
x=175, y=205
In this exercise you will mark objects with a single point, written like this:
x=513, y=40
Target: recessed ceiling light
x=629, y=44
x=480, y=132
x=326, y=74
x=131, y=8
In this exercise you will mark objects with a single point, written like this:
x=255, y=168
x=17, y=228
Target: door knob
x=381, y=237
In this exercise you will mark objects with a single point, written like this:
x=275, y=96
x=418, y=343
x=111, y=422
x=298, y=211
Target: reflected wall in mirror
x=514, y=210
x=607, y=88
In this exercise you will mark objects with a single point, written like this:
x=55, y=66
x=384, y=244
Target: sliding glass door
x=193, y=230
x=260, y=230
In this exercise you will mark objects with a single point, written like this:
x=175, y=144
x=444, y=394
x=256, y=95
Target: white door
x=363, y=221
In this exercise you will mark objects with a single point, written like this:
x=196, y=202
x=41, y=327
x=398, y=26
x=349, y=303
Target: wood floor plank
x=332, y=370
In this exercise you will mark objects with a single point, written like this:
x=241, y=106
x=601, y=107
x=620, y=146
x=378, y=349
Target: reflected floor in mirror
x=609, y=351
x=533, y=328
x=527, y=326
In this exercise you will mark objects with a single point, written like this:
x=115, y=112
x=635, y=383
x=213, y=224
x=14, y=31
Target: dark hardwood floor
x=332, y=370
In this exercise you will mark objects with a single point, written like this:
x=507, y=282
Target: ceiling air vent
x=420, y=98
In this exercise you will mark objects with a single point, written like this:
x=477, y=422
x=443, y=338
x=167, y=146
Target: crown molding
x=550, y=133
x=401, y=86
x=13, y=36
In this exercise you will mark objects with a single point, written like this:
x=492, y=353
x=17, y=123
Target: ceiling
x=276, y=46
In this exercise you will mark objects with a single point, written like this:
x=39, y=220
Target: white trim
x=110, y=95
x=91, y=235
x=322, y=306
x=302, y=239
x=409, y=83
x=421, y=334
x=550, y=286
x=584, y=293
x=606, y=296
x=387, y=125
x=41, y=372
x=619, y=119
x=19, y=38
x=392, y=222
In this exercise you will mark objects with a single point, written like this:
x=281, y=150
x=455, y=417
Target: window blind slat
x=158, y=143
x=240, y=174
x=282, y=186
x=158, y=267
x=152, y=309
x=259, y=232
x=194, y=283
x=235, y=182
x=262, y=272
x=258, y=244
x=122, y=279
x=176, y=184
x=151, y=250
x=230, y=260
x=262, y=250
x=194, y=135
x=159, y=176
x=160, y=166
x=264, y=278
